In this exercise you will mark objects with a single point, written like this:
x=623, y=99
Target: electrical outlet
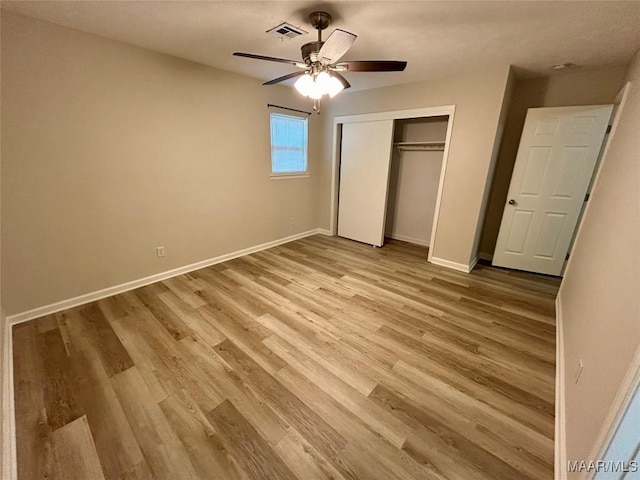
x=292, y=221
x=579, y=371
x=160, y=252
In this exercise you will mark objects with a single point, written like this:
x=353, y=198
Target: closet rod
x=411, y=149
x=420, y=146
x=417, y=144
x=421, y=149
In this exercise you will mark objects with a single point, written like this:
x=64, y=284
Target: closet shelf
x=420, y=146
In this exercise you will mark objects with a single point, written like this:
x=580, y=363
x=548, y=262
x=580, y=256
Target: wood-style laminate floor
x=319, y=359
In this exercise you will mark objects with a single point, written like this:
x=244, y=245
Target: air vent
x=286, y=30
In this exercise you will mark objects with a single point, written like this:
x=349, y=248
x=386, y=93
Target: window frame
x=293, y=174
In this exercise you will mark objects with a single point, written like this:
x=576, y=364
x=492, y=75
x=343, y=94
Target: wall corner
x=507, y=95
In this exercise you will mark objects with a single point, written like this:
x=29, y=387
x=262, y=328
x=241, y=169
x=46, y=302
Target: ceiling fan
x=320, y=69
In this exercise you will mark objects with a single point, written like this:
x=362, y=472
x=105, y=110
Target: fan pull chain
x=316, y=106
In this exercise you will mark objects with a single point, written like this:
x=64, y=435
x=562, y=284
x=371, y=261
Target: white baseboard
x=560, y=453
x=8, y=469
x=404, y=238
x=107, y=292
x=323, y=231
x=461, y=267
x=473, y=263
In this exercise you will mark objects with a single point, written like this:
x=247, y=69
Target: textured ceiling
x=436, y=38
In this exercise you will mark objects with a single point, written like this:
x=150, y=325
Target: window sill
x=285, y=176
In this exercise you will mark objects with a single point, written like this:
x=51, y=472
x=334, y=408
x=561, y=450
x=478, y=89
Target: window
x=288, y=145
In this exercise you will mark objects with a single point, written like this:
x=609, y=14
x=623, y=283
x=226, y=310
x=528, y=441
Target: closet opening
x=388, y=172
x=416, y=163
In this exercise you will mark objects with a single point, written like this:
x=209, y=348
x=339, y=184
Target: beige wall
x=413, y=183
x=478, y=97
x=110, y=150
x=590, y=87
x=599, y=297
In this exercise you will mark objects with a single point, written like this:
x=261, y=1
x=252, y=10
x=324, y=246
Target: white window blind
x=288, y=144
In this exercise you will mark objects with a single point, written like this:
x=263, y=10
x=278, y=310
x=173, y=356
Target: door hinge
x=608, y=128
x=586, y=197
x=567, y=257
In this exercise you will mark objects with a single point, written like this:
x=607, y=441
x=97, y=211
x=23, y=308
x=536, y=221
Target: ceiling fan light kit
x=319, y=74
x=316, y=88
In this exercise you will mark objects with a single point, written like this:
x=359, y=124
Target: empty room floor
x=322, y=358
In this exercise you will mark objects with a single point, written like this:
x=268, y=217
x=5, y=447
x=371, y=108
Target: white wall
x=110, y=150
x=414, y=178
x=599, y=297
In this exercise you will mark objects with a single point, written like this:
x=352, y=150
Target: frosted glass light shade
x=322, y=84
x=315, y=91
x=322, y=81
x=304, y=84
x=335, y=87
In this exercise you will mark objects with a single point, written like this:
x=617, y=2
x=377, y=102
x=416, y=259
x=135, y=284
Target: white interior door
x=364, y=180
x=558, y=152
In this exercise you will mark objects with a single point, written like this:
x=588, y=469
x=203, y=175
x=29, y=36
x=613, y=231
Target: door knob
x=513, y=202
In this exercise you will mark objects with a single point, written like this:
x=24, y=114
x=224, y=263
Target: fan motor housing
x=310, y=49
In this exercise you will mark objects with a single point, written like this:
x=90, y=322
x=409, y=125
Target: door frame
x=445, y=110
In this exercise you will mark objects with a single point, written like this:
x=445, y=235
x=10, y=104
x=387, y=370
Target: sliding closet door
x=364, y=179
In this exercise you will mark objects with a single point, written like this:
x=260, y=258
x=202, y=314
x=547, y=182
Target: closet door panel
x=364, y=180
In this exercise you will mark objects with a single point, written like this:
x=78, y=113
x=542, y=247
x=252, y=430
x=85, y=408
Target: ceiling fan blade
x=343, y=80
x=285, y=77
x=271, y=59
x=336, y=46
x=374, y=66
